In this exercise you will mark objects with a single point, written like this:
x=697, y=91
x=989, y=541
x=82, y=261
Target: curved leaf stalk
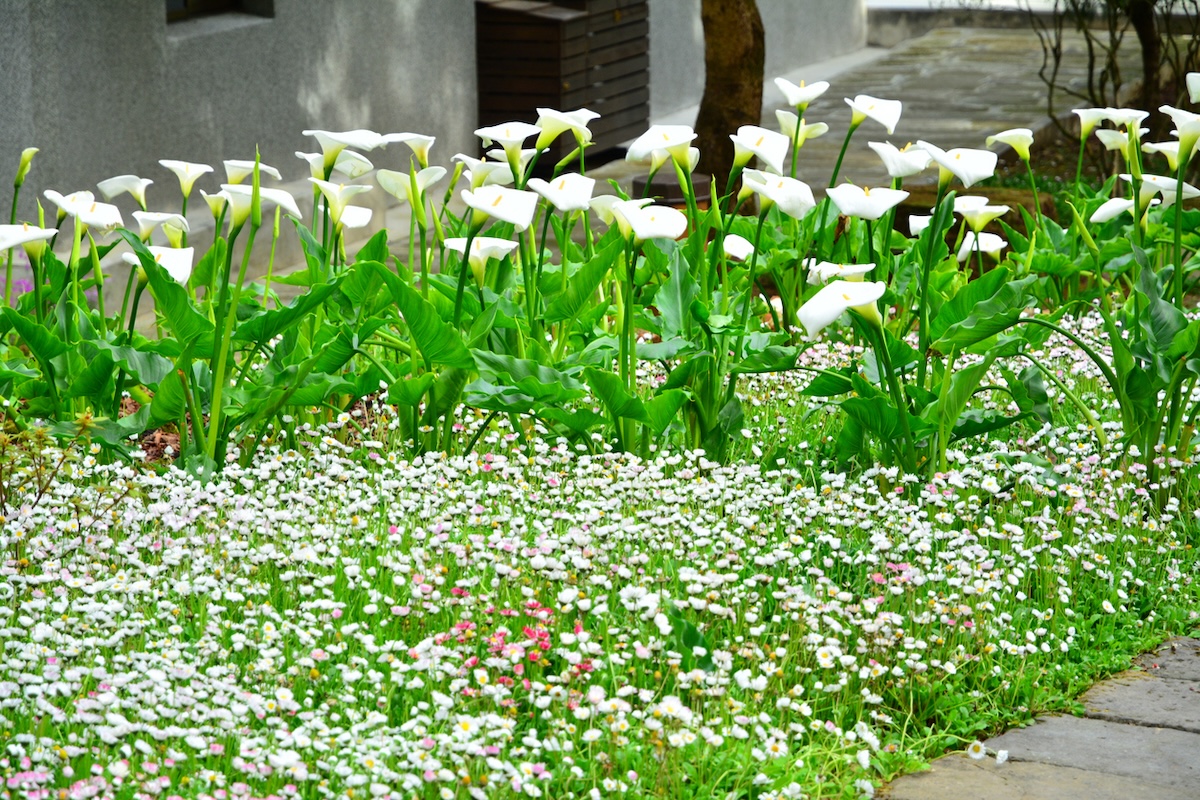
x=222, y=347
x=944, y=424
x=98, y=271
x=741, y=334
x=939, y=216
x=12, y=219
x=1184, y=158
x=1080, y=406
x=464, y=269
x=879, y=342
x=271, y=261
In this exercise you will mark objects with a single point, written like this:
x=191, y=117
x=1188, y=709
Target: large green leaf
x=674, y=300
x=662, y=409
x=988, y=317
x=187, y=324
x=829, y=383
x=772, y=359
x=541, y=383
x=437, y=340
x=375, y=249
x=582, y=286
x=145, y=367
x=97, y=378
x=41, y=340
x=410, y=391
x=170, y=402
x=959, y=307
x=613, y=396
x=266, y=325
x=977, y=422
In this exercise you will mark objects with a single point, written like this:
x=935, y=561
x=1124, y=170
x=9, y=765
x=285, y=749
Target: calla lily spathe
x=555, y=123
x=23, y=166
x=399, y=184
x=567, y=193
x=863, y=202
x=237, y=170
x=769, y=147
x=885, y=112
x=797, y=130
x=901, y=162
x=481, y=172
x=793, y=197
x=348, y=163
x=1019, y=139
x=1187, y=128
x=989, y=244
x=121, y=184
x=176, y=261
x=483, y=249
x=18, y=235
x=824, y=271
x=1115, y=207
x=800, y=95
x=239, y=197
x=641, y=222
x=507, y=205
x=737, y=247
x=172, y=224
x=84, y=208
x=1165, y=186
x=1089, y=118
x=674, y=140
x=968, y=165
x=918, y=223
x=334, y=142
x=419, y=143
x=1125, y=142
x=356, y=217
x=977, y=211
x=835, y=299
x=1169, y=150
x=337, y=196
x=187, y=172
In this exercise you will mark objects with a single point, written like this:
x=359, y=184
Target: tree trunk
x=1145, y=24
x=734, y=56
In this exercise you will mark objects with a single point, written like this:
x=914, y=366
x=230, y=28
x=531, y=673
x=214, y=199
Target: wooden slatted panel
x=565, y=54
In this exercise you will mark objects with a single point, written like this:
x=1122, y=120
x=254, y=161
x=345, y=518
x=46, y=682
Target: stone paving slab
x=1135, y=698
x=960, y=778
x=1157, y=755
x=1177, y=660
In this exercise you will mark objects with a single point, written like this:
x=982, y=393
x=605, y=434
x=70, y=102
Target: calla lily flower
x=799, y=96
x=918, y=222
x=968, y=165
x=348, y=163
x=1089, y=118
x=1170, y=150
x=1130, y=118
x=334, y=142
x=1113, y=208
x=1187, y=128
x=769, y=147
x=737, y=247
x=885, y=112
x=172, y=224
x=419, y=143
x=660, y=157
x=176, y=261
x=603, y=206
x=504, y=204
x=337, y=196
x=1161, y=185
x=524, y=156
x=901, y=162
x=989, y=243
x=26, y=161
x=17, y=235
x=481, y=172
x=1124, y=142
x=1193, y=86
x=399, y=184
x=483, y=249
x=187, y=172
x=239, y=197
x=84, y=208
x=555, y=123
x=641, y=222
x=216, y=202
x=674, y=139
x=567, y=193
x=793, y=197
x=977, y=212
x=824, y=271
x=865, y=203
x=797, y=130
x=125, y=183
x=1019, y=139
x=356, y=217
x=837, y=298
x=511, y=137
x=237, y=171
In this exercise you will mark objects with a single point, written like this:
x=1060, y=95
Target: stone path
x=1140, y=738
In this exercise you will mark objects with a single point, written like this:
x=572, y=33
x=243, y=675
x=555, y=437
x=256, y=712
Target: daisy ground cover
x=341, y=619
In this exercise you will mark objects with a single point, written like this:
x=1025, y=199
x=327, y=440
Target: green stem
x=1178, y=277
x=1037, y=204
x=741, y=335
x=222, y=345
x=271, y=259
x=464, y=269
x=889, y=371
x=12, y=219
x=96, y=270
x=923, y=300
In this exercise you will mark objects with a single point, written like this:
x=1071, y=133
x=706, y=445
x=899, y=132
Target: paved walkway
x=1140, y=738
x=958, y=86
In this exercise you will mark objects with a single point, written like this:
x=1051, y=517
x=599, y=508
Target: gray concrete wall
x=105, y=88
x=798, y=32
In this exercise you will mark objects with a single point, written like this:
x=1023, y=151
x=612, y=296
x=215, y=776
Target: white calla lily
x=793, y=197
x=177, y=261
x=84, y=208
x=1165, y=186
x=885, y=112
x=348, y=163
x=918, y=222
x=800, y=95
x=239, y=196
x=863, y=202
x=356, y=216
x=1089, y=118
x=1019, y=139
x=419, y=143
x=555, y=123
x=567, y=193
x=149, y=221
x=187, y=172
x=1187, y=129
x=967, y=164
x=400, y=184
x=769, y=147
x=835, y=299
x=238, y=170
x=901, y=162
x=483, y=250
x=334, y=142
x=499, y=202
x=737, y=247
x=1169, y=150
x=824, y=271
x=641, y=222
x=21, y=234
x=989, y=244
x=135, y=186
x=481, y=172
x=674, y=140
x=337, y=195
x=977, y=211
x=797, y=130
